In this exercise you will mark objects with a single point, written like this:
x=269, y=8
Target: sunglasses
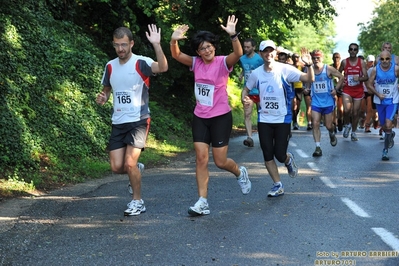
x=385, y=59
x=353, y=49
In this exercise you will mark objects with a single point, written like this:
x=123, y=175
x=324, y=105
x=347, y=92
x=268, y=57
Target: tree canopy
x=54, y=52
x=382, y=28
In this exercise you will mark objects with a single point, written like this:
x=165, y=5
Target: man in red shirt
x=355, y=73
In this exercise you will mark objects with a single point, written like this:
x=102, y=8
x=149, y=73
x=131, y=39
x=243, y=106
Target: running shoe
x=354, y=137
x=249, y=142
x=317, y=152
x=385, y=155
x=276, y=190
x=347, y=129
x=141, y=169
x=367, y=128
x=135, y=207
x=391, y=141
x=296, y=126
x=292, y=167
x=309, y=127
x=244, y=181
x=333, y=139
x=200, y=208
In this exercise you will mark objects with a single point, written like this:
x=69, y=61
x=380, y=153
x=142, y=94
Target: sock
x=204, y=200
x=387, y=138
x=317, y=144
x=278, y=183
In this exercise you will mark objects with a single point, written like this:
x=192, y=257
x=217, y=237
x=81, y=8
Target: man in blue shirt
x=249, y=61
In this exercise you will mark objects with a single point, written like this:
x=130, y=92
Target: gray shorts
x=134, y=134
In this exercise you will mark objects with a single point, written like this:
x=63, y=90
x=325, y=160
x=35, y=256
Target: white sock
x=317, y=144
x=203, y=200
x=278, y=183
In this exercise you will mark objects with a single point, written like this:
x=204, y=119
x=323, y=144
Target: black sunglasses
x=353, y=49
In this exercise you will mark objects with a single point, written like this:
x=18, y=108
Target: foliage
x=382, y=28
x=52, y=129
x=311, y=37
x=258, y=19
x=53, y=56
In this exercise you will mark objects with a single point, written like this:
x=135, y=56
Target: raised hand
x=305, y=56
x=153, y=34
x=179, y=32
x=230, y=25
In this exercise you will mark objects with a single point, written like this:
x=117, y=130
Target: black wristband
x=232, y=37
x=309, y=65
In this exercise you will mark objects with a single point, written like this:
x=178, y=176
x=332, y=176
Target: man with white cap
x=273, y=80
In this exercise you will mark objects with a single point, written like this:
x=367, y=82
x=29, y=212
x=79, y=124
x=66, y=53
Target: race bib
x=351, y=81
x=123, y=101
x=273, y=105
x=320, y=87
x=204, y=93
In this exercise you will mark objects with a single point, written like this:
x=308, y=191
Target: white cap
x=370, y=58
x=264, y=44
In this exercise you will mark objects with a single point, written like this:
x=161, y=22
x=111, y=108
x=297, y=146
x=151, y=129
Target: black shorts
x=215, y=130
x=134, y=134
x=274, y=140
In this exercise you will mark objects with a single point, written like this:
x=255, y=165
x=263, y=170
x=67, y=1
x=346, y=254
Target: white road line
x=327, y=182
x=301, y=153
x=355, y=208
x=313, y=166
x=387, y=237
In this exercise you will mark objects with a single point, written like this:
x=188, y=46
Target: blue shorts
x=323, y=110
x=386, y=112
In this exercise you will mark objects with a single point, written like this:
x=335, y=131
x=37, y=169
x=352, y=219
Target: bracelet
x=232, y=37
x=309, y=65
x=173, y=43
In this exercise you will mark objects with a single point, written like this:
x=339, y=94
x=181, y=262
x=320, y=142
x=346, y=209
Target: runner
x=383, y=83
x=274, y=80
x=354, y=72
x=323, y=102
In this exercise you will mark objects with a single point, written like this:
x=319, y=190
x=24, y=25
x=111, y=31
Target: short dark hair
x=120, y=32
x=204, y=36
x=252, y=41
x=335, y=54
x=353, y=44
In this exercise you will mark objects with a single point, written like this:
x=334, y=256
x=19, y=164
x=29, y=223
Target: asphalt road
x=342, y=209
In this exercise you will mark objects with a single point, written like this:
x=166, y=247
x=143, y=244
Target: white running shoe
x=141, y=169
x=135, y=207
x=200, y=208
x=347, y=129
x=244, y=181
x=292, y=167
x=276, y=190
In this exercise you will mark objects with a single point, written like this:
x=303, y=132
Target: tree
x=382, y=28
